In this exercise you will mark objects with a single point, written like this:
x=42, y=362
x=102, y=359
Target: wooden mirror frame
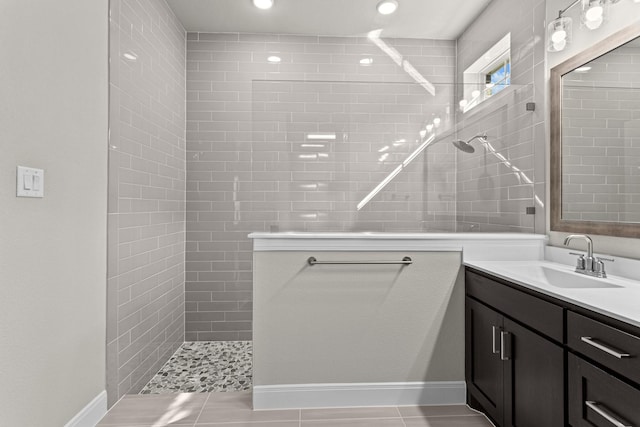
x=619, y=229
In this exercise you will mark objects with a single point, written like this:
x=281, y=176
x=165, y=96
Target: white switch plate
x=29, y=182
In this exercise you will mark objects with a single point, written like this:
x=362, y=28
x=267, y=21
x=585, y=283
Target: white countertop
x=474, y=246
x=621, y=302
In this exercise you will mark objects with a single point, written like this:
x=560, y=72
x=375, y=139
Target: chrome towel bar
x=405, y=261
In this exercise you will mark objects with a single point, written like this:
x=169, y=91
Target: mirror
x=595, y=139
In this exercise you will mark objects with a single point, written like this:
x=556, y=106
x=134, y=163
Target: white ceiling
x=431, y=19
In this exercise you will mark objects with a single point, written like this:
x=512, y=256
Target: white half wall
x=53, y=116
x=357, y=324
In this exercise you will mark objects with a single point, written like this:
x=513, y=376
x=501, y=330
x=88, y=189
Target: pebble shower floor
x=205, y=366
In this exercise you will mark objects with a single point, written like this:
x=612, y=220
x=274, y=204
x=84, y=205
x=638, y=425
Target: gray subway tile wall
x=600, y=136
x=501, y=179
x=146, y=208
x=246, y=170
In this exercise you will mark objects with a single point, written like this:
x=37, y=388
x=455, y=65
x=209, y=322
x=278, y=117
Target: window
x=489, y=75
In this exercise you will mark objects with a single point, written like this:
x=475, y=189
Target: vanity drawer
x=598, y=399
x=534, y=312
x=611, y=347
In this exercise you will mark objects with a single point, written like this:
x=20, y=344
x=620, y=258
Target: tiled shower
x=211, y=141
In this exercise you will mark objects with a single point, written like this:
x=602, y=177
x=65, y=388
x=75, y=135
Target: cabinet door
x=483, y=365
x=534, y=379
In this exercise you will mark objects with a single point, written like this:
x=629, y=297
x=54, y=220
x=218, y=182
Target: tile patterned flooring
x=185, y=393
x=234, y=410
x=205, y=366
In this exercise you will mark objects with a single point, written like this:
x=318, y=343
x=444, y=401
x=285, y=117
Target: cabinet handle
x=604, y=348
x=494, y=339
x=505, y=346
x=606, y=414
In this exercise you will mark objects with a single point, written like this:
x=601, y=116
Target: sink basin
x=564, y=277
x=569, y=279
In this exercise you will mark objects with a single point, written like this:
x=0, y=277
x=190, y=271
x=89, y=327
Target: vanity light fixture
x=263, y=4
x=559, y=33
x=592, y=13
x=387, y=7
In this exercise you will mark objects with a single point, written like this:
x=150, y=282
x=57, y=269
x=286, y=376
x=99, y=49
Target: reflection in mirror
x=601, y=138
x=596, y=139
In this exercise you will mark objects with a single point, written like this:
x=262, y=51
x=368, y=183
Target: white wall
x=621, y=15
x=357, y=323
x=53, y=115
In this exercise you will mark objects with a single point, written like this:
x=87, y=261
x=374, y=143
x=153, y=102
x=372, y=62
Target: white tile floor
x=203, y=367
x=233, y=409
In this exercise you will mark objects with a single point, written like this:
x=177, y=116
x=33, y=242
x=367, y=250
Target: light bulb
x=423, y=132
x=475, y=93
x=594, y=13
x=592, y=25
x=274, y=59
x=387, y=7
x=560, y=45
x=559, y=35
x=463, y=103
x=263, y=4
x=429, y=128
x=436, y=121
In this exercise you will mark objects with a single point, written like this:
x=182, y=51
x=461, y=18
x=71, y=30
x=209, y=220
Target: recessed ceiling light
x=274, y=59
x=582, y=69
x=130, y=56
x=263, y=4
x=387, y=7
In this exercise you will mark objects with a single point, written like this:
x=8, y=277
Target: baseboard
x=91, y=414
x=290, y=396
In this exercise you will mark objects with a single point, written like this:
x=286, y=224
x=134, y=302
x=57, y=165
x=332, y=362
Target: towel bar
x=405, y=261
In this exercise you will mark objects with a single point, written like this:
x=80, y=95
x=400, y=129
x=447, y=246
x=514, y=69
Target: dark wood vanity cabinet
x=603, y=373
x=533, y=360
x=514, y=374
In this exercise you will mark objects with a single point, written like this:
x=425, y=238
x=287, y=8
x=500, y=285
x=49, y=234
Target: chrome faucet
x=589, y=265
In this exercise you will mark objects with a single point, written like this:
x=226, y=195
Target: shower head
x=463, y=146
x=466, y=145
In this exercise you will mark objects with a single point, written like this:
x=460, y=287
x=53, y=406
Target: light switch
x=29, y=182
